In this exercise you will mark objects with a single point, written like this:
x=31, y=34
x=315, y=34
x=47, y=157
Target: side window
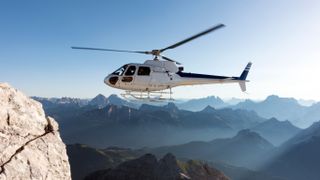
x=130, y=71
x=144, y=71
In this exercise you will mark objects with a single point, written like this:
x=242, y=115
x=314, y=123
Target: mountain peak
x=247, y=134
x=100, y=96
x=113, y=96
x=169, y=158
x=116, y=100
x=313, y=130
x=273, y=121
x=248, y=137
x=148, y=158
x=213, y=98
x=209, y=109
x=275, y=98
x=100, y=101
x=200, y=104
x=171, y=106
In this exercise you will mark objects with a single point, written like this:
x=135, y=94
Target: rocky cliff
x=30, y=144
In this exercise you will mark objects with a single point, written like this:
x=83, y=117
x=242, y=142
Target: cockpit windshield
x=120, y=71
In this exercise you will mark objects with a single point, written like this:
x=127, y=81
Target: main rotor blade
x=193, y=37
x=171, y=60
x=112, y=50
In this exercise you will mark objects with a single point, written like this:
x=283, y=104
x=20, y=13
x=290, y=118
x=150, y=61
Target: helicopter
x=151, y=80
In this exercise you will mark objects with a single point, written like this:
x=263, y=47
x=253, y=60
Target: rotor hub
x=156, y=52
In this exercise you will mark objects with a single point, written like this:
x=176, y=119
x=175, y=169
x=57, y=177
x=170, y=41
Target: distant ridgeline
x=242, y=140
x=103, y=119
x=301, y=113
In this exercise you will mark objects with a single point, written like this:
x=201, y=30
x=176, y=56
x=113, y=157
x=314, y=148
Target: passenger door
x=143, y=77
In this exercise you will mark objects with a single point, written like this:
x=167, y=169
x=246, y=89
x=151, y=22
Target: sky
x=281, y=38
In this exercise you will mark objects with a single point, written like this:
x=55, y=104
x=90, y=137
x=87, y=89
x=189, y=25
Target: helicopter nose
x=111, y=80
x=106, y=80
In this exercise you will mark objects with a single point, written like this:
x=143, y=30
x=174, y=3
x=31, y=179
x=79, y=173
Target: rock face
x=147, y=167
x=30, y=144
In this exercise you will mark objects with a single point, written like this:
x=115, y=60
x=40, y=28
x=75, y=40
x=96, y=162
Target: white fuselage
x=154, y=75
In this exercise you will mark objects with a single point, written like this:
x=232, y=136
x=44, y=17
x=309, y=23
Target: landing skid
x=153, y=96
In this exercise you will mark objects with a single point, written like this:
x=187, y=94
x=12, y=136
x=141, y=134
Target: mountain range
x=84, y=159
x=295, y=159
x=244, y=149
x=230, y=139
x=276, y=131
x=149, y=125
x=200, y=104
x=108, y=121
x=301, y=113
x=283, y=109
x=153, y=126
x=298, y=158
x=99, y=162
x=167, y=168
x=273, y=106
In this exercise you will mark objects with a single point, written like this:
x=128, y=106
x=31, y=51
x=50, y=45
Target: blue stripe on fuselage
x=194, y=75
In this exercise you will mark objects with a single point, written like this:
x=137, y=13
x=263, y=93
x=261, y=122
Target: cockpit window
x=120, y=71
x=131, y=70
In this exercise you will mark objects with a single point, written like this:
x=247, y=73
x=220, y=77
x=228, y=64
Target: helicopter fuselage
x=156, y=75
x=161, y=74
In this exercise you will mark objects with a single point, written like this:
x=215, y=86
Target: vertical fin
x=245, y=72
x=243, y=77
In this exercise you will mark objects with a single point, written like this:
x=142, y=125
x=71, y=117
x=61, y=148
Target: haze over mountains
x=130, y=127
x=248, y=140
x=295, y=159
x=97, y=162
x=149, y=125
x=241, y=150
x=167, y=168
x=273, y=106
x=276, y=131
x=298, y=158
x=283, y=109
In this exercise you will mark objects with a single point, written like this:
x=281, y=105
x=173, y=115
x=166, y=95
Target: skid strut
x=149, y=95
